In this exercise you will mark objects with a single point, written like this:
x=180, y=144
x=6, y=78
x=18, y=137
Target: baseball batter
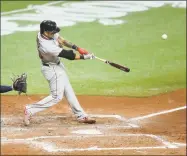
x=50, y=50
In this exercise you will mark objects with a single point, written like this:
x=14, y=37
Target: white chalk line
x=156, y=114
x=12, y=129
x=105, y=149
x=54, y=149
x=4, y=139
x=179, y=144
x=50, y=147
x=63, y=116
x=118, y=117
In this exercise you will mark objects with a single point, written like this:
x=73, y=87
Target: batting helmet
x=48, y=25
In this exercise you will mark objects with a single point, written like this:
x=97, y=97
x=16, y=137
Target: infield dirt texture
x=142, y=112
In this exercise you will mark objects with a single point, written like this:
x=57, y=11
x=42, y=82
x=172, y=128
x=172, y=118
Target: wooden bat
x=123, y=68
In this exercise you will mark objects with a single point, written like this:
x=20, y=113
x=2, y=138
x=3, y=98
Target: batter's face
x=49, y=34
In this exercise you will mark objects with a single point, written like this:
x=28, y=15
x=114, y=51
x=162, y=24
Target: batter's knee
x=57, y=99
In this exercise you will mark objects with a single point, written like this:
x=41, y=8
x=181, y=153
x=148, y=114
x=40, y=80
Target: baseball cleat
x=86, y=120
x=27, y=117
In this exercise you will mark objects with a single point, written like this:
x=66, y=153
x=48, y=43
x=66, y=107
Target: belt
x=45, y=64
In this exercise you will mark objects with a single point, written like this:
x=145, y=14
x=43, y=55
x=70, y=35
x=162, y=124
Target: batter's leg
x=43, y=104
x=75, y=106
x=73, y=101
x=56, y=85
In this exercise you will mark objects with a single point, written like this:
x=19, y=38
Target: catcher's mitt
x=20, y=83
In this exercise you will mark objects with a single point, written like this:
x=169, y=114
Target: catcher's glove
x=20, y=83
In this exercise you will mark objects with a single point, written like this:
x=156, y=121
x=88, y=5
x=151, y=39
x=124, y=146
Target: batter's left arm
x=68, y=44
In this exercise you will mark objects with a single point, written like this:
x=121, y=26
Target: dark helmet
x=48, y=25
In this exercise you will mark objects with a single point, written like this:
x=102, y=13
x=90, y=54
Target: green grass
x=157, y=65
x=14, y=5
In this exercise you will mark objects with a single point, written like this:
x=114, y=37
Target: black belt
x=45, y=64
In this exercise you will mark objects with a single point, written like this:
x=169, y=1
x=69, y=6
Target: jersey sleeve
x=52, y=49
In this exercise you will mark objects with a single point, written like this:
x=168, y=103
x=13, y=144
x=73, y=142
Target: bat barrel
x=115, y=65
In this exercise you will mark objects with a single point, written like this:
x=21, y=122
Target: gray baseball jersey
x=48, y=49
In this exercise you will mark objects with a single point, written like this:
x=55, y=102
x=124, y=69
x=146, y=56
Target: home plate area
x=63, y=134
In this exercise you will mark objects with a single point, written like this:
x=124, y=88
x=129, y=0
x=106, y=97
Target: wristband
x=74, y=47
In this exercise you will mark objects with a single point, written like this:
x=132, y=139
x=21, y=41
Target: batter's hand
x=88, y=56
x=82, y=51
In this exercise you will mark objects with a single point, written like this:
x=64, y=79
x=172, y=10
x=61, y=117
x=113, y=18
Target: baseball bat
x=120, y=67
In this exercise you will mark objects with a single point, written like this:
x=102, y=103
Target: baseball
x=164, y=36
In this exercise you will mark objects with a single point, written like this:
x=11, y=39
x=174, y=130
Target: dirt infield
x=125, y=126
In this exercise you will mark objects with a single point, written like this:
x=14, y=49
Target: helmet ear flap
x=57, y=29
x=42, y=27
x=41, y=31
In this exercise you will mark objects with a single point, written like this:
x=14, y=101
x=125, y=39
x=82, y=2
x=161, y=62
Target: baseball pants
x=59, y=87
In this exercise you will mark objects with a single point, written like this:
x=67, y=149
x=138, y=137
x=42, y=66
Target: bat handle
x=101, y=59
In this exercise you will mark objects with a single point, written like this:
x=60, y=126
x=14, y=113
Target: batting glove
x=89, y=56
